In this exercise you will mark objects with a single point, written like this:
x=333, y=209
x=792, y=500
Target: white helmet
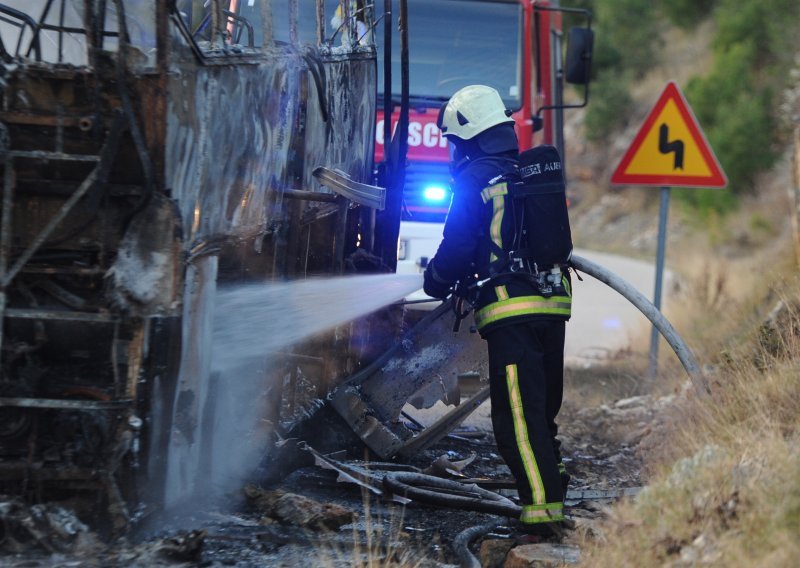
x=472, y=110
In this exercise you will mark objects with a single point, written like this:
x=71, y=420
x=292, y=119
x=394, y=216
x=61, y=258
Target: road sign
x=670, y=149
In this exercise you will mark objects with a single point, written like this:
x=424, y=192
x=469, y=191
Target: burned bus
x=151, y=152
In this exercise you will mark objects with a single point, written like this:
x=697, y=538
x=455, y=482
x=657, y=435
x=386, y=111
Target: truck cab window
x=456, y=43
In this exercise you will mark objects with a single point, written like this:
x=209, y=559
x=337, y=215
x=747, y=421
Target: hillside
x=720, y=471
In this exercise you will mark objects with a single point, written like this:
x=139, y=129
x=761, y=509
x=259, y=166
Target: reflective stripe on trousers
x=526, y=381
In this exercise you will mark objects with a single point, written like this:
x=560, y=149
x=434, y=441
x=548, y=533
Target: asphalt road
x=602, y=320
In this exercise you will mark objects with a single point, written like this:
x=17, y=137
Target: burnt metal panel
x=229, y=130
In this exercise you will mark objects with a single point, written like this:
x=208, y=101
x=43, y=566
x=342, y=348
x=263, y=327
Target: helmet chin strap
x=461, y=154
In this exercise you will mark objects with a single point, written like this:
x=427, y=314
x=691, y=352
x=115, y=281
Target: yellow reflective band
x=493, y=191
x=502, y=293
x=523, y=305
x=521, y=434
x=546, y=513
x=499, y=205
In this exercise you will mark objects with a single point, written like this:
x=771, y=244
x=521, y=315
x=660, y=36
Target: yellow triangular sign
x=670, y=149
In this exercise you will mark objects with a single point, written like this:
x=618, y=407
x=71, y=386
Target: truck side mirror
x=579, y=56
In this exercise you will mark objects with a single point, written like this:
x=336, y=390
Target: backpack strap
x=496, y=189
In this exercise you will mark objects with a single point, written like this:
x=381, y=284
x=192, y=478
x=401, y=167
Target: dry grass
x=724, y=472
x=378, y=540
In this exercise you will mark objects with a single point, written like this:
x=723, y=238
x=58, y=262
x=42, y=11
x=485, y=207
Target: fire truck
x=514, y=46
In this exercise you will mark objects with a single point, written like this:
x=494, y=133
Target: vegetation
x=686, y=13
x=619, y=24
x=724, y=490
x=721, y=472
x=609, y=101
x=736, y=102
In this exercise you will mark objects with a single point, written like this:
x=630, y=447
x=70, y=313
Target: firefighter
x=522, y=325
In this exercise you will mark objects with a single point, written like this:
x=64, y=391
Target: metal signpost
x=669, y=150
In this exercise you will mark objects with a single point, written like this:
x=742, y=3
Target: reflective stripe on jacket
x=521, y=305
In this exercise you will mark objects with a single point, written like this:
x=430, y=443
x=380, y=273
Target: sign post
x=669, y=150
x=660, y=256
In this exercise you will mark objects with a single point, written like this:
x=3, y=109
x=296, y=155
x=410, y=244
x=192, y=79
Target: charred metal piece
x=65, y=404
x=362, y=193
x=371, y=409
x=445, y=424
x=309, y=195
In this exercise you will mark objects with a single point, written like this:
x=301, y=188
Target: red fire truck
x=514, y=46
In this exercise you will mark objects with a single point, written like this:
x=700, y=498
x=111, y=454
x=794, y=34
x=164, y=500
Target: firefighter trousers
x=526, y=374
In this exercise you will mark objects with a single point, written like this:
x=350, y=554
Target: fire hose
x=449, y=493
x=466, y=537
x=650, y=312
x=455, y=495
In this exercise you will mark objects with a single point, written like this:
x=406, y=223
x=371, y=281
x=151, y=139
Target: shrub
x=686, y=13
x=629, y=31
x=737, y=121
x=610, y=103
x=704, y=203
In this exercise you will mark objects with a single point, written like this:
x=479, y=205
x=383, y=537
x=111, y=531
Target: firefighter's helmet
x=472, y=110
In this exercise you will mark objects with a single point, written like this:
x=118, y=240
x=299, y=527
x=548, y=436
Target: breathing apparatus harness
x=541, y=249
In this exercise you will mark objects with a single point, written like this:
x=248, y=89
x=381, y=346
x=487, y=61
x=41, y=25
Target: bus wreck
x=152, y=151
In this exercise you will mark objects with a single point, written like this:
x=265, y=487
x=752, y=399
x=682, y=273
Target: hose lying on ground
x=466, y=537
x=651, y=312
x=456, y=495
x=449, y=493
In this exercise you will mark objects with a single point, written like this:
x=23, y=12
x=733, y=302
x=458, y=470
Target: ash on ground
x=347, y=524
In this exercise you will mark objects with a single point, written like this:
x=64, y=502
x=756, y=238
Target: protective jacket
x=478, y=236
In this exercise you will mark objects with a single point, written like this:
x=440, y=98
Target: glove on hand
x=433, y=287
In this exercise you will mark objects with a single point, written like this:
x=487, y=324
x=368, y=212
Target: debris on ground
x=187, y=547
x=311, y=516
x=542, y=554
x=43, y=528
x=445, y=467
x=297, y=510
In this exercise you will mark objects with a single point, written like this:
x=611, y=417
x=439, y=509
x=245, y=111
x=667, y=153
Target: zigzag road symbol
x=666, y=147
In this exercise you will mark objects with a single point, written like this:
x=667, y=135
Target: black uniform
x=524, y=331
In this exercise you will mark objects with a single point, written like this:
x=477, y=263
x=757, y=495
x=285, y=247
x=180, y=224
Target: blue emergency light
x=435, y=193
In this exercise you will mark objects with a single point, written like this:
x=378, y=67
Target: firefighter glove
x=434, y=286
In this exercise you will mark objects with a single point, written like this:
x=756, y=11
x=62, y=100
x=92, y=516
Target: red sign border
x=716, y=180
